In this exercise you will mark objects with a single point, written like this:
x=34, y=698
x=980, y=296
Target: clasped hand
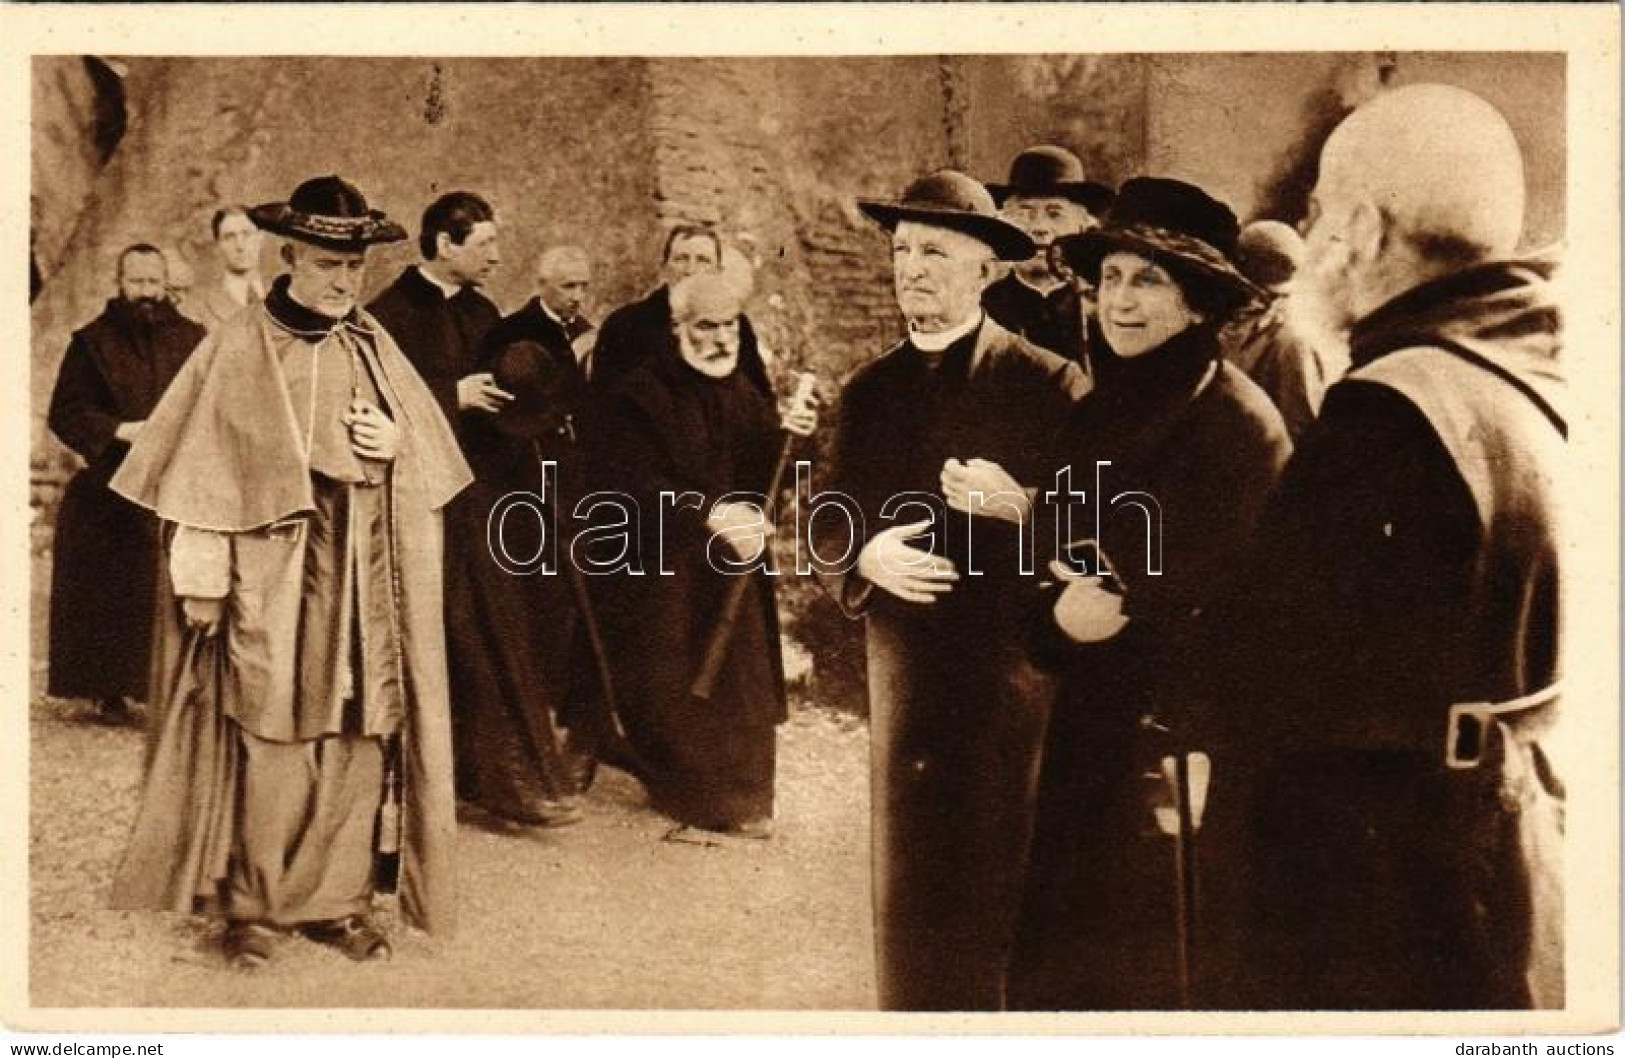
x=373, y=435
x=801, y=417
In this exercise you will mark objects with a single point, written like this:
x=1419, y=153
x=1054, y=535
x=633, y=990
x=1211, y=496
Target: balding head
x=706, y=294
x=563, y=277
x=1420, y=182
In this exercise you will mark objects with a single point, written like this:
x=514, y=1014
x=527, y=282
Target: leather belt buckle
x=1465, y=734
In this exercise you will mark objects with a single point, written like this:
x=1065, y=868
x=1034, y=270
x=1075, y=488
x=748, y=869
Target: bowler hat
x=952, y=200
x=1048, y=171
x=328, y=212
x=547, y=389
x=1174, y=223
x=1269, y=252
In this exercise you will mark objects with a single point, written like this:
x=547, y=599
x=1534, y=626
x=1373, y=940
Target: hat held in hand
x=547, y=389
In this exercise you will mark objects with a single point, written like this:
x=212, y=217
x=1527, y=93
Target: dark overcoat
x=1206, y=446
x=105, y=567
x=1408, y=564
x=957, y=708
x=668, y=429
x=1052, y=321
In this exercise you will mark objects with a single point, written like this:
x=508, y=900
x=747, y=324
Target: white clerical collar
x=448, y=289
x=937, y=341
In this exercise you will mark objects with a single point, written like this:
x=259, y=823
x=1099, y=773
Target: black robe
x=105, y=570
x=1407, y=562
x=668, y=428
x=957, y=707
x=549, y=681
x=1098, y=922
x=507, y=678
x=1052, y=321
x=637, y=330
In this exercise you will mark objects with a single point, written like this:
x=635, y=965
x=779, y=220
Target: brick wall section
x=559, y=146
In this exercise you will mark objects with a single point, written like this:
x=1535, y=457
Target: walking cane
x=1187, y=777
x=716, y=648
x=609, y=721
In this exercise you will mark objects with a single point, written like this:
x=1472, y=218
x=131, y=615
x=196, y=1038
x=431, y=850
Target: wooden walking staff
x=716, y=648
x=1187, y=777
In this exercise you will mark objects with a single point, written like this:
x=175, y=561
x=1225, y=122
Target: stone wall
x=609, y=152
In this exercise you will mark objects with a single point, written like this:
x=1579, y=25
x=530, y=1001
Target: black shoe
x=354, y=935
x=247, y=945
x=114, y=711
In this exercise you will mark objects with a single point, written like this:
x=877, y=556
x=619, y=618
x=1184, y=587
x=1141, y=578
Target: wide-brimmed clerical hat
x=952, y=200
x=1171, y=222
x=329, y=212
x=1048, y=171
x=547, y=389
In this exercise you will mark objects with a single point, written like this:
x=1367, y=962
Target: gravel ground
x=600, y=915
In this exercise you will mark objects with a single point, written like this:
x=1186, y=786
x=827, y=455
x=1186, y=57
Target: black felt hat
x=1169, y=221
x=329, y=212
x=547, y=389
x=952, y=200
x=1052, y=172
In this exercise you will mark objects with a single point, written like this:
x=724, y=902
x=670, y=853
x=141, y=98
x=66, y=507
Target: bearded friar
x=690, y=442
x=106, y=559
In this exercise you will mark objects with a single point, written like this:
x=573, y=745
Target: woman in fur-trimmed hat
x=1190, y=448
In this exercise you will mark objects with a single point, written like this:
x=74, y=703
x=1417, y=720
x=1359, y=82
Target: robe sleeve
x=635, y=457
x=849, y=590
x=200, y=563
x=82, y=410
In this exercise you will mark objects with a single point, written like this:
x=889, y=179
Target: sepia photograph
x=1048, y=518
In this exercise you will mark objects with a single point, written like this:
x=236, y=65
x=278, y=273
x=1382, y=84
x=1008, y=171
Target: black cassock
x=666, y=428
x=506, y=666
x=105, y=570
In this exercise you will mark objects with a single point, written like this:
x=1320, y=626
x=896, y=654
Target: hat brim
x=1196, y=261
x=544, y=392
x=1008, y=242
x=346, y=234
x=1095, y=198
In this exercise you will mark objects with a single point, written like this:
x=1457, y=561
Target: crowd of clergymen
x=1334, y=666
